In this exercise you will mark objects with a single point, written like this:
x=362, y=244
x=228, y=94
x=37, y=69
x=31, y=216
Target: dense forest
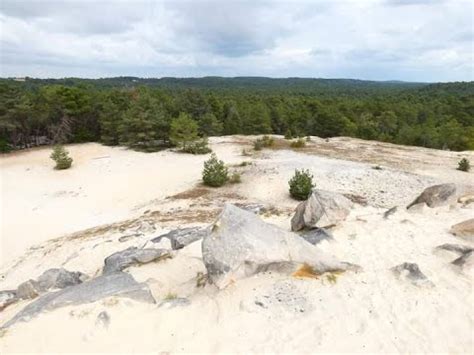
x=139, y=113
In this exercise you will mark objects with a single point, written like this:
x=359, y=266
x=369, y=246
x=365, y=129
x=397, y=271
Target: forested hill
x=138, y=112
x=260, y=84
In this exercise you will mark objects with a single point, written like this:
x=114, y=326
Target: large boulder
x=117, y=284
x=132, y=256
x=57, y=278
x=241, y=244
x=464, y=229
x=436, y=196
x=321, y=209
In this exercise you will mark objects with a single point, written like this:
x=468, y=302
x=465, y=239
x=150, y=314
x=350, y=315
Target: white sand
x=369, y=312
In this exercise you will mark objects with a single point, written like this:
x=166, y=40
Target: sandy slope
x=366, y=312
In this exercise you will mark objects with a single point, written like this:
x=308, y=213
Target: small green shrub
x=215, y=173
x=235, y=178
x=464, y=165
x=244, y=163
x=258, y=144
x=301, y=184
x=268, y=141
x=264, y=142
x=246, y=153
x=4, y=146
x=61, y=157
x=170, y=296
x=288, y=134
x=299, y=143
x=198, y=147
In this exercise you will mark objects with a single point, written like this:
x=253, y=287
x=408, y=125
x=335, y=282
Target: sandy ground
x=126, y=192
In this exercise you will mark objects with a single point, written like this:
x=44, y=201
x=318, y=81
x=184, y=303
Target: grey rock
x=145, y=227
x=7, y=298
x=466, y=261
x=103, y=319
x=60, y=278
x=117, y=284
x=456, y=248
x=252, y=207
x=316, y=236
x=464, y=229
x=57, y=278
x=175, y=302
x=132, y=256
x=389, y=212
x=126, y=238
x=437, y=195
x=411, y=272
x=241, y=244
x=321, y=209
x=28, y=290
x=183, y=236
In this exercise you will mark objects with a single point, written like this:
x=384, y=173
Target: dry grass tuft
x=195, y=192
x=306, y=271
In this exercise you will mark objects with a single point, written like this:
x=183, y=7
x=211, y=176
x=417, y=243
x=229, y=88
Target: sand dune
x=370, y=312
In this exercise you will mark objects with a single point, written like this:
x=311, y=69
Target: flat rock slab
x=455, y=248
x=132, y=256
x=117, y=284
x=316, y=236
x=436, y=196
x=182, y=237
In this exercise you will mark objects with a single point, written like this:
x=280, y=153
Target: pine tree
x=184, y=131
x=61, y=157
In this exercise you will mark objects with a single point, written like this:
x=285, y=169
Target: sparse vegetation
x=258, y=144
x=170, y=296
x=299, y=143
x=306, y=271
x=61, y=157
x=184, y=134
x=215, y=173
x=198, y=147
x=245, y=153
x=301, y=184
x=235, y=178
x=264, y=142
x=201, y=279
x=288, y=134
x=244, y=163
x=464, y=165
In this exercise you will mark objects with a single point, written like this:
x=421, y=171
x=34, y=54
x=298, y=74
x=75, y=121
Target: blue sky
x=411, y=40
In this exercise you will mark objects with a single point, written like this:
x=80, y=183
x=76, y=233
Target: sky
x=410, y=40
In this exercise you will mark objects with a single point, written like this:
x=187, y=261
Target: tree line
x=141, y=113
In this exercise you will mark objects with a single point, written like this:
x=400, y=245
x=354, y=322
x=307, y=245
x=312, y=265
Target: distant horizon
x=233, y=77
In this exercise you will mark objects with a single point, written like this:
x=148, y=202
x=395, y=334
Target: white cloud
x=418, y=40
